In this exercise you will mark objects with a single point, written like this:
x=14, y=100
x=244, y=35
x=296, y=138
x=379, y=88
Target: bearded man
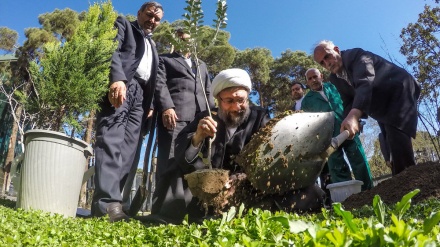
x=231, y=126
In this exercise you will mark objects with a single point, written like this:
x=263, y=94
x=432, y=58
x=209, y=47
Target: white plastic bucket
x=340, y=191
x=52, y=172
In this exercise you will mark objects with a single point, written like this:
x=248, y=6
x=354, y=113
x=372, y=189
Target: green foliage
x=272, y=78
x=290, y=67
x=217, y=56
x=193, y=22
x=416, y=226
x=424, y=146
x=72, y=76
x=59, y=25
x=61, y=22
x=8, y=38
x=258, y=63
x=421, y=46
x=203, y=38
x=377, y=162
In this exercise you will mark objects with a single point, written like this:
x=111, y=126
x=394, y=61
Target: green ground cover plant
x=401, y=224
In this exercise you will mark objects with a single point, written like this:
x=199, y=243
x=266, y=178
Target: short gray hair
x=312, y=69
x=325, y=44
x=149, y=4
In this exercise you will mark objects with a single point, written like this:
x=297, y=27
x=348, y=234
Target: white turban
x=231, y=78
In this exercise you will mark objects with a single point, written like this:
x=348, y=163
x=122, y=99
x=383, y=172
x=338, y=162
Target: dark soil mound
x=425, y=177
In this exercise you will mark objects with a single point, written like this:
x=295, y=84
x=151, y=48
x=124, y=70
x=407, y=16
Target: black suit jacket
x=128, y=55
x=223, y=150
x=177, y=87
x=380, y=89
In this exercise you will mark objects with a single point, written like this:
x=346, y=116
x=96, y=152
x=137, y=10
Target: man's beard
x=234, y=120
x=297, y=96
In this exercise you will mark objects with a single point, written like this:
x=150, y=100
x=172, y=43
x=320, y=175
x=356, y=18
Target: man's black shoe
x=115, y=213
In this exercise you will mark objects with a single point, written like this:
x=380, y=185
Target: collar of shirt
x=323, y=94
x=343, y=75
x=298, y=104
x=144, y=69
x=146, y=35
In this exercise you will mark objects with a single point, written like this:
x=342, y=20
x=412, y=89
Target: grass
x=402, y=225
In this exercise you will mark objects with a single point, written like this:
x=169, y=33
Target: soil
x=425, y=176
x=210, y=186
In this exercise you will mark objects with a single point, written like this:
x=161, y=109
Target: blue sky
x=277, y=25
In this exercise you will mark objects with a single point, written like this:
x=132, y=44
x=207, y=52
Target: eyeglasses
x=230, y=101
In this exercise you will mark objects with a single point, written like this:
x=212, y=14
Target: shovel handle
x=339, y=139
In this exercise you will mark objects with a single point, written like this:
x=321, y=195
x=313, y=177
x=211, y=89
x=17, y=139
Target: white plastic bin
x=340, y=191
x=52, y=172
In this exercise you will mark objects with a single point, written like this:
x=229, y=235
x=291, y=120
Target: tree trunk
x=11, y=153
x=87, y=138
x=59, y=119
x=261, y=100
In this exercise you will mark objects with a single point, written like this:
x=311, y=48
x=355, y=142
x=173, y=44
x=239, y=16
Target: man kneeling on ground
x=233, y=124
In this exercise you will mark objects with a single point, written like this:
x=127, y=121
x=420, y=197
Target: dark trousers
x=118, y=137
x=400, y=147
x=165, y=146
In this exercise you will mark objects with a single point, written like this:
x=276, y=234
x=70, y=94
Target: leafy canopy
x=72, y=76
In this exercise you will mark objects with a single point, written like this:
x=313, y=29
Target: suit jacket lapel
x=182, y=61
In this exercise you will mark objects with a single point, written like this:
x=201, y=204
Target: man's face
x=314, y=80
x=233, y=106
x=184, y=36
x=149, y=18
x=297, y=92
x=330, y=59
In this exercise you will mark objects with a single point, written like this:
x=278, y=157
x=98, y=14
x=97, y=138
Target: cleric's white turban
x=231, y=78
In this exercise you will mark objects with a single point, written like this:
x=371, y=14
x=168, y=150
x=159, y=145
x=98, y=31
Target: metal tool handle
x=339, y=139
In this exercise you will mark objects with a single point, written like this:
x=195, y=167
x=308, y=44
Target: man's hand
x=351, y=122
x=206, y=127
x=117, y=93
x=169, y=118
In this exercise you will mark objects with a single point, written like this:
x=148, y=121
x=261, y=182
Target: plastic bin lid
x=345, y=183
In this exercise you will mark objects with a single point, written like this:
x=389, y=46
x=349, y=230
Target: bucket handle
x=88, y=151
x=15, y=174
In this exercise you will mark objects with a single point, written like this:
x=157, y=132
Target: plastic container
x=340, y=191
x=52, y=172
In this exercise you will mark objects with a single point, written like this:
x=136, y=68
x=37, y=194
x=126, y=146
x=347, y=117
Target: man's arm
x=163, y=101
x=117, y=91
x=184, y=142
x=363, y=76
x=351, y=122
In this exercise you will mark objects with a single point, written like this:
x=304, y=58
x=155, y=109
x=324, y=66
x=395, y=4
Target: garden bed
x=372, y=223
x=425, y=177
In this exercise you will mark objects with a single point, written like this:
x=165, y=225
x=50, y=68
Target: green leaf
x=347, y=216
x=379, y=209
x=404, y=204
x=294, y=226
x=430, y=222
x=231, y=214
x=240, y=211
